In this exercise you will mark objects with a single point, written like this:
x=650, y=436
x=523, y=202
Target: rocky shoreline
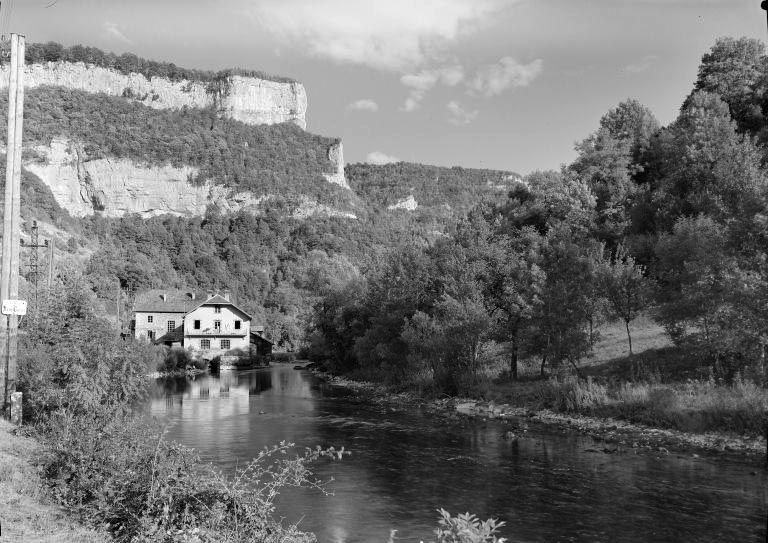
x=614, y=436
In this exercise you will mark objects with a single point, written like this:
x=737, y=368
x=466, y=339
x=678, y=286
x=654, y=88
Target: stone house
x=207, y=324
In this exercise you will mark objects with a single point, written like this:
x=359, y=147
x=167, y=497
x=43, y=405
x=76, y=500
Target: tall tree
x=627, y=288
x=736, y=70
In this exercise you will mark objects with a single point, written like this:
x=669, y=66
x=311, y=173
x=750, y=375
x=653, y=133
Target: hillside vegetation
x=266, y=159
x=455, y=189
x=664, y=221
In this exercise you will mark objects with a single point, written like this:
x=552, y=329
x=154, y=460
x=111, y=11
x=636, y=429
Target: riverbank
x=614, y=436
x=26, y=511
x=189, y=372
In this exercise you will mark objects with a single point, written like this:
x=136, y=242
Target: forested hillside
x=667, y=221
x=266, y=159
x=445, y=192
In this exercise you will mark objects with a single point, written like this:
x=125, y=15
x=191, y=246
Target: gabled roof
x=177, y=335
x=260, y=336
x=176, y=301
x=216, y=300
x=219, y=300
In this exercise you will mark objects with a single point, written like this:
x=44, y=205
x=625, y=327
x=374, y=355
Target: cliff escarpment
x=247, y=99
x=108, y=155
x=113, y=187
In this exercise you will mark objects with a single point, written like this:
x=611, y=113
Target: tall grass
x=694, y=406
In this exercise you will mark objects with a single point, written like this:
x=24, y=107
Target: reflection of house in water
x=221, y=395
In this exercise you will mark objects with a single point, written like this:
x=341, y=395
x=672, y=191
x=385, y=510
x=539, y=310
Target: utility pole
x=50, y=267
x=9, y=263
x=117, y=306
x=34, y=261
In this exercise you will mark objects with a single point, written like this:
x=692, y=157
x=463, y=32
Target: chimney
x=227, y=294
x=191, y=295
x=164, y=296
x=209, y=294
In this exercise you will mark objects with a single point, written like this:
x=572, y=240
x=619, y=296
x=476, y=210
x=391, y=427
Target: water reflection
x=406, y=465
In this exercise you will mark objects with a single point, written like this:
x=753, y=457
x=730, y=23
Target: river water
x=405, y=465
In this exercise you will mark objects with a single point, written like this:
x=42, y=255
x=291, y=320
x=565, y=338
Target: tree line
x=665, y=220
x=128, y=63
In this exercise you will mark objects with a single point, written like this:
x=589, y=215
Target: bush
x=115, y=470
x=573, y=395
x=467, y=528
x=177, y=359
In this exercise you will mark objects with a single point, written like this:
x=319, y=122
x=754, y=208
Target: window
x=150, y=335
x=197, y=324
x=217, y=325
x=237, y=325
x=171, y=326
x=150, y=318
x=225, y=344
x=205, y=343
x=217, y=309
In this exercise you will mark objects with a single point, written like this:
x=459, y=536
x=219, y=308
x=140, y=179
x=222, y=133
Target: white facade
x=217, y=329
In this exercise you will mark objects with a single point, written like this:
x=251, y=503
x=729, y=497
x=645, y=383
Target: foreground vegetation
x=102, y=460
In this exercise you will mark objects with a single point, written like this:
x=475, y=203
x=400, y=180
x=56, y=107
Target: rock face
x=249, y=99
x=118, y=186
x=114, y=187
x=336, y=156
x=408, y=204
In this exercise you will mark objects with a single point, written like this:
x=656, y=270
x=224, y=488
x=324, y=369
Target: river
x=405, y=465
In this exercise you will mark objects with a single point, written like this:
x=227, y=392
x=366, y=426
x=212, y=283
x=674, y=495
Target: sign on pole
x=14, y=307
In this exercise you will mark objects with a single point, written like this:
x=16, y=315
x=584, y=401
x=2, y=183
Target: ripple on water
x=404, y=466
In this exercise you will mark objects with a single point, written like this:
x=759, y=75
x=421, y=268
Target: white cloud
x=364, y=104
x=112, y=30
x=378, y=158
x=494, y=79
x=391, y=35
x=421, y=82
x=642, y=65
x=459, y=115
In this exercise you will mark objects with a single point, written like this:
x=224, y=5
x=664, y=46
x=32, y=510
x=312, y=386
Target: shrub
x=466, y=528
x=573, y=394
x=178, y=359
x=115, y=470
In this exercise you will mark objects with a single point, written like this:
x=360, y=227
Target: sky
x=501, y=84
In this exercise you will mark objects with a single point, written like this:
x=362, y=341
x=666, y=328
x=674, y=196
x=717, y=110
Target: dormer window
x=217, y=309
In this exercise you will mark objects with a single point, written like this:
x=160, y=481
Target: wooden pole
x=117, y=306
x=9, y=262
x=50, y=267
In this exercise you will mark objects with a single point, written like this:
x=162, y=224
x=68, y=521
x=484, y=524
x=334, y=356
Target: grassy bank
x=664, y=397
x=663, y=386
x=27, y=510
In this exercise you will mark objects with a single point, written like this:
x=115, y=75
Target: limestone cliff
x=114, y=187
x=248, y=99
x=336, y=156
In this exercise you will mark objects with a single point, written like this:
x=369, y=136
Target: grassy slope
x=660, y=386
x=26, y=512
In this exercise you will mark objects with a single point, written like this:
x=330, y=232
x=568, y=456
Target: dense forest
x=444, y=192
x=667, y=221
